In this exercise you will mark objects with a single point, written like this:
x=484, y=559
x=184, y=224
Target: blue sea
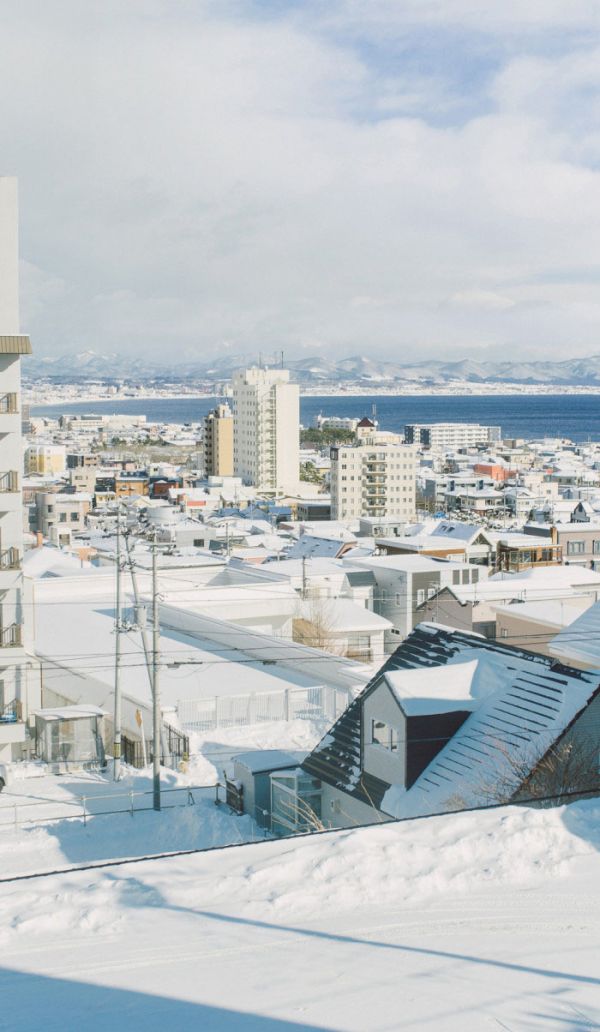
x=520, y=415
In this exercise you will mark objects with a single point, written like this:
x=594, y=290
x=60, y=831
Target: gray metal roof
x=532, y=699
x=15, y=345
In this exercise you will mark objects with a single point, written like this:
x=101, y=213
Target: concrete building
x=59, y=515
x=405, y=582
x=266, y=439
x=448, y=436
x=371, y=478
x=218, y=442
x=45, y=458
x=14, y=697
x=132, y=482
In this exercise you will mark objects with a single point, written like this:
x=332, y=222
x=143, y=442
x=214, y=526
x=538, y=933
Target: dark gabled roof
x=337, y=759
x=365, y=421
x=539, y=693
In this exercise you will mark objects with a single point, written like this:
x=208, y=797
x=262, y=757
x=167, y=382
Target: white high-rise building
x=14, y=698
x=449, y=436
x=266, y=430
x=374, y=477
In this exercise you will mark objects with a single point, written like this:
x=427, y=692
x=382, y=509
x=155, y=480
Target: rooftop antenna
x=374, y=412
x=282, y=359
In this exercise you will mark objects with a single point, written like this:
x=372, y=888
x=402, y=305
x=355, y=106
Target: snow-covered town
x=300, y=517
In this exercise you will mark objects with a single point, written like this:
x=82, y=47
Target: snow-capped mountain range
x=315, y=370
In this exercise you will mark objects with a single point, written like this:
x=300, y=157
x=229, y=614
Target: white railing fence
x=322, y=702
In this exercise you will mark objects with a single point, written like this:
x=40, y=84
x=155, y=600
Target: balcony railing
x=8, y=404
x=11, y=636
x=9, y=482
x=10, y=559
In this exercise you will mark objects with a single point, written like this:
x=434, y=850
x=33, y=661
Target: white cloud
x=191, y=175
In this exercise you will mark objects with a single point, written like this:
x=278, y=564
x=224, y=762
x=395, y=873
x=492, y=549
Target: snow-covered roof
x=260, y=760
x=419, y=693
x=70, y=712
x=554, y=612
x=525, y=703
x=580, y=642
x=343, y=615
x=455, y=531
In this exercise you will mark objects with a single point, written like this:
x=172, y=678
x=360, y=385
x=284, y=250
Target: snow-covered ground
x=32, y=797
x=475, y=921
x=212, y=751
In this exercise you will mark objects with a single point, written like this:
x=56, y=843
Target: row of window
x=579, y=547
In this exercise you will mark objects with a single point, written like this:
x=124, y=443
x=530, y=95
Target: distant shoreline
x=464, y=391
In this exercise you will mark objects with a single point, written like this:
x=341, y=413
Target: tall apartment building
x=218, y=442
x=266, y=435
x=373, y=478
x=13, y=671
x=449, y=436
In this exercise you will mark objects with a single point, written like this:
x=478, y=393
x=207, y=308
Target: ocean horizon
x=532, y=416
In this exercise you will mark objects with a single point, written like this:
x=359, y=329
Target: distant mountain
x=315, y=370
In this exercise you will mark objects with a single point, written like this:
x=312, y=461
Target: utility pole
x=156, y=720
x=118, y=632
x=303, y=576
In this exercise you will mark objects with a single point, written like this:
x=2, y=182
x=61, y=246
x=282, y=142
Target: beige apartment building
x=45, y=458
x=218, y=442
x=266, y=430
x=373, y=478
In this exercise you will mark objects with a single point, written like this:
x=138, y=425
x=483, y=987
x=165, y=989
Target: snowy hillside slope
x=486, y=920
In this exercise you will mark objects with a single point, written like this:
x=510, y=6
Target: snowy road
x=473, y=921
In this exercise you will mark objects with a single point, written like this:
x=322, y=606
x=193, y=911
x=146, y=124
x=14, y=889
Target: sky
x=400, y=179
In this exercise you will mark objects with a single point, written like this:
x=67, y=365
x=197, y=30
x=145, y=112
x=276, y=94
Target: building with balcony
x=449, y=436
x=266, y=430
x=374, y=479
x=218, y=442
x=14, y=699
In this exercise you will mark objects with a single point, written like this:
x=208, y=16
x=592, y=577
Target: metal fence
x=16, y=811
x=175, y=747
x=319, y=703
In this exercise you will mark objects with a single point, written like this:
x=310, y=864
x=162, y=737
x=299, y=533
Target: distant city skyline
x=403, y=179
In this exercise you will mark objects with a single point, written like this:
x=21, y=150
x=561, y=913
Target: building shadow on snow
x=137, y=893
x=32, y=1002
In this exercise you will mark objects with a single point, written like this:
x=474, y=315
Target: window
x=398, y=599
x=63, y=517
x=575, y=547
x=474, y=576
x=74, y=517
x=596, y=547
x=420, y=597
x=385, y=735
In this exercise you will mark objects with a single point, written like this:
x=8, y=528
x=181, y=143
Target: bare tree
x=313, y=625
